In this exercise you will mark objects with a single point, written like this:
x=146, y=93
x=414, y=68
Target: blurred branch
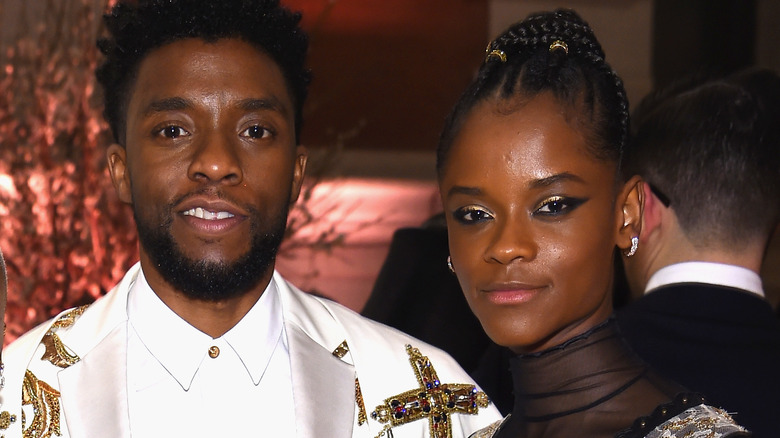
x=66, y=237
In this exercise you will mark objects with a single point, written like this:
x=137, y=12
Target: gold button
x=213, y=351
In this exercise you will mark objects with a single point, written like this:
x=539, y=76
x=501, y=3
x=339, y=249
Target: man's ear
x=631, y=201
x=299, y=170
x=117, y=167
x=652, y=213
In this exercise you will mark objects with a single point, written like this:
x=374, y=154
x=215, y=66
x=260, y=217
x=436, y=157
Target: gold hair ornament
x=558, y=44
x=490, y=53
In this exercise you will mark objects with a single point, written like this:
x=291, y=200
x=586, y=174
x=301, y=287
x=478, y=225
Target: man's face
x=210, y=165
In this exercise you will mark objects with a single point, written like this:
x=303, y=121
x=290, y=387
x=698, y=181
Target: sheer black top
x=592, y=385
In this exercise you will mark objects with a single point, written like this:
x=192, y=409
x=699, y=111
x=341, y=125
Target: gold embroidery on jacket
x=42, y=397
x=362, y=417
x=69, y=318
x=45, y=402
x=56, y=352
x=6, y=419
x=340, y=352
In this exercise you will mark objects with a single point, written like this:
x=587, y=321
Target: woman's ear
x=117, y=167
x=631, y=202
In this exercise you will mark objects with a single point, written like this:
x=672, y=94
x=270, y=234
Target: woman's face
x=533, y=221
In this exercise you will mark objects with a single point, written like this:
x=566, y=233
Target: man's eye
x=173, y=131
x=471, y=214
x=256, y=131
x=557, y=205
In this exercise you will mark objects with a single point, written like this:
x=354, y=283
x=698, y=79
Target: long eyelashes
x=557, y=205
x=471, y=214
x=554, y=206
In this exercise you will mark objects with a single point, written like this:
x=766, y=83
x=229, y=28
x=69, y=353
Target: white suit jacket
x=93, y=390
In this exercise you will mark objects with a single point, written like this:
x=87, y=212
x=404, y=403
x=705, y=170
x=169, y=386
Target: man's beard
x=213, y=280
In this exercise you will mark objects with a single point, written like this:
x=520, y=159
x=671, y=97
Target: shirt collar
x=259, y=333
x=708, y=273
x=181, y=348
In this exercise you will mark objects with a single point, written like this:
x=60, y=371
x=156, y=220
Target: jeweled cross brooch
x=433, y=400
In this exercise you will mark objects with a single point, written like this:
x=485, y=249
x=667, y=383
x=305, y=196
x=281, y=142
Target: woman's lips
x=511, y=293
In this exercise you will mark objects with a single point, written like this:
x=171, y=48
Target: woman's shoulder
x=687, y=416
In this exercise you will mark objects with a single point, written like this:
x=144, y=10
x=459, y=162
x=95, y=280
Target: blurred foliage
x=65, y=236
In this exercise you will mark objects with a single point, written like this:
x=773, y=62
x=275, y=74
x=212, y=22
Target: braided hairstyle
x=527, y=59
x=137, y=27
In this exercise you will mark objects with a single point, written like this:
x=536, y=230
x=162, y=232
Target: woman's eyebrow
x=464, y=190
x=552, y=179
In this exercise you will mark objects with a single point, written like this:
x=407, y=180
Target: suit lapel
x=323, y=384
x=94, y=390
x=323, y=388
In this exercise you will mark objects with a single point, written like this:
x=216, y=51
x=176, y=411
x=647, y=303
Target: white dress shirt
x=708, y=273
x=181, y=382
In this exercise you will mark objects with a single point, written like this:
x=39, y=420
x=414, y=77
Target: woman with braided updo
x=528, y=167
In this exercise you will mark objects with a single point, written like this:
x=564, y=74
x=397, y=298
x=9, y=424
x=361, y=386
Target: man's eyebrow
x=271, y=103
x=180, y=103
x=167, y=104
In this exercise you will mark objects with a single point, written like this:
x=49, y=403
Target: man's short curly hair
x=136, y=27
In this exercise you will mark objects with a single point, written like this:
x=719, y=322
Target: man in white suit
x=202, y=338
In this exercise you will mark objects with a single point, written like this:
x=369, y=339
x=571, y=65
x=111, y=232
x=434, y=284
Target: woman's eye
x=173, y=131
x=468, y=215
x=557, y=205
x=255, y=131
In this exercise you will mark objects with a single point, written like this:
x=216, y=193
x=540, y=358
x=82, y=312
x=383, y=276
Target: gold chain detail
x=386, y=431
x=362, y=417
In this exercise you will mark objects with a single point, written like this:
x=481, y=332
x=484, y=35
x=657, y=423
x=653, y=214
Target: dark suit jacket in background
x=416, y=293
x=721, y=342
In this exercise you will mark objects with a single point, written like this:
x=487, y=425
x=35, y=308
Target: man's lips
x=200, y=213
x=209, y=215
x=209, y=208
